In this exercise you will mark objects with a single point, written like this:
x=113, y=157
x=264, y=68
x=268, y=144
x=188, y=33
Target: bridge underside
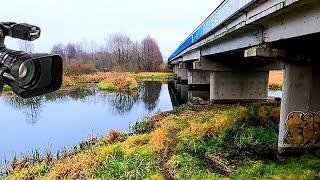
x=235, y=61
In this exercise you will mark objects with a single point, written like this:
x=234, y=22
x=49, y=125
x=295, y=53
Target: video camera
x=27, y=74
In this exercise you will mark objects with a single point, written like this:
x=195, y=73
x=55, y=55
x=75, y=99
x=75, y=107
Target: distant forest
x=117, y=53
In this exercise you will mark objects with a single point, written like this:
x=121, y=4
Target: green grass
x=106, y=86
x=184, y=166
x=120, y=166
x=304, y=167
x=154, y=76
x=276, y=87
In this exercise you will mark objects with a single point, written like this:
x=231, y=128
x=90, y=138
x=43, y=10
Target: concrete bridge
x=234, y=49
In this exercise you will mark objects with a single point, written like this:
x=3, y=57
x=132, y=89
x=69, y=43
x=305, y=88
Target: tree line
x=116, y=53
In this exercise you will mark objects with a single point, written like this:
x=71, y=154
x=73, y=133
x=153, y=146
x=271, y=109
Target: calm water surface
x=62, y=119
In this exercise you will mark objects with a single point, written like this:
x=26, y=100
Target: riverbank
x=194, y=142
x=117, y=81
x=113, y=81
x=121, y=81
x=276, y=80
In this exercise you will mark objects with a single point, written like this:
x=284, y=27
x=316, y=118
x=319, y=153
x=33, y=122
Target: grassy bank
x=114, y=81
x=276, y=80
x=154, y=76
x=120, y=82
x=222, y=142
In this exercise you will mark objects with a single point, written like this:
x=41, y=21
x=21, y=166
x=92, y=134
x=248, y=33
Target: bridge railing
x=226, y=10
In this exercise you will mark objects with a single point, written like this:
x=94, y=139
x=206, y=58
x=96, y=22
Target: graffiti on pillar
x=303, y=129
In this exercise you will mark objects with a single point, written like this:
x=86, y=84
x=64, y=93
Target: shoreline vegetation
x=127, y=81
x=191, y=142
x=117, y=81
x=276, y=80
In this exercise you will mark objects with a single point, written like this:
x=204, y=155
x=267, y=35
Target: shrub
x=78, y=67
x=106, y=86
x=154, y=76
x=275, y=87
x=121, y=82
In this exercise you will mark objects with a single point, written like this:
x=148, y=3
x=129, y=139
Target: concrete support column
x=198, y=77
x=183, y=72
x=238, y=86
x=300, y=109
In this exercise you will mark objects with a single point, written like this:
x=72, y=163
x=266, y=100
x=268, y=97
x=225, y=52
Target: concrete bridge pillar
x=300, y=109
x=180, y=69
x=174, y=69
x=183, y=72
x=239, y=86
x=234, y=81
x=198, y=77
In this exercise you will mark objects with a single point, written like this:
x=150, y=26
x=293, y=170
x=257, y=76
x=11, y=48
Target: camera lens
x=27, y=73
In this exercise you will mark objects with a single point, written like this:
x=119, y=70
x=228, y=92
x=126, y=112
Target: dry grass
x=276, y=77
x=79, y=68
x=120, y=82
x=154, y=76
x=159, y=139
x=119, y=76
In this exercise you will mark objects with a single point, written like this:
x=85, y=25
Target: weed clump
x=106, y=86
x=120, y=82
x=155, y=76
x=276, y=87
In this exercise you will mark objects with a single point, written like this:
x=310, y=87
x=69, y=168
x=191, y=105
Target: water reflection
x=122, y=103
x=63, y=118
x=148, y=93
x=181, y=93
x=31, y=108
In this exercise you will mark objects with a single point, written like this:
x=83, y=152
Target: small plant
x=275, y=87
x=120, y=82
x=186, y=106
x=143, y=126
x=154, y=76
x=106, y=86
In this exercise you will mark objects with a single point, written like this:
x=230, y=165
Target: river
x=62, y=119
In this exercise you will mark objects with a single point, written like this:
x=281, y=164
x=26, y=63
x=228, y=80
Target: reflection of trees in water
x=150, y=93
x=123, y=103
x=75, y=94
x=30, y=107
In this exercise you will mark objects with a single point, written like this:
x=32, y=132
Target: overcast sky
x=168, y=21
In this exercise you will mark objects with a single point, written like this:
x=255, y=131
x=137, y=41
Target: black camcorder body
x=27, y=74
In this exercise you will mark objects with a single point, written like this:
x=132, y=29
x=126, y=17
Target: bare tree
x=121, y=48
x=151, y=55
x=118, y=53
x=59, y=49
x=71, y=51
